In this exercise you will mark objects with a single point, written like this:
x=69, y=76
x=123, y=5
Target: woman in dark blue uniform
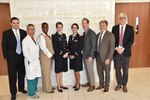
x=61, y=54
x=75, y=47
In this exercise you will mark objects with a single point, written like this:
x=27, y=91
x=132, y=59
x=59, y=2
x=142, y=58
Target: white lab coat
x=31, y=55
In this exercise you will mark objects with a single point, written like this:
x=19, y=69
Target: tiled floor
x=138, y=85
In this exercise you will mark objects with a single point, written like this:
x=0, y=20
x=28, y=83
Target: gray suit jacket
x=89, y=46
x=107, y=46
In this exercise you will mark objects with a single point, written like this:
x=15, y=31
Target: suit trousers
x=89, y=72
x=16, y=70
x=101, y=68
x=121, y=62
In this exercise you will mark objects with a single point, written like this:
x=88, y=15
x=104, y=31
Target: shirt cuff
x=49, y=55
x=116, y=48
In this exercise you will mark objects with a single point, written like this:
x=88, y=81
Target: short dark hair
x=75, y=25
x=44, y=23
x=86, y=20
x=103, y=21
x=14, y=18
x=30, y=25
x=59, y=23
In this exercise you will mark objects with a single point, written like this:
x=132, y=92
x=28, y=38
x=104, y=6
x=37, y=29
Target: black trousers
x=121, y=62
x=16, y=70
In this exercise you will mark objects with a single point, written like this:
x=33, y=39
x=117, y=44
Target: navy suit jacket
x=127, y=40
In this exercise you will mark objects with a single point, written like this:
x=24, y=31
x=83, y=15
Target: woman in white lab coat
x=32, y=62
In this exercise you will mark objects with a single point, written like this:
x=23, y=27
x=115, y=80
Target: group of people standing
x=34, y=56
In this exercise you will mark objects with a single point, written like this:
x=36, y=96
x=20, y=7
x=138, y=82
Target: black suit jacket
x=127, y=40
x=59, y=43
x=9, y=42
x=75, y=45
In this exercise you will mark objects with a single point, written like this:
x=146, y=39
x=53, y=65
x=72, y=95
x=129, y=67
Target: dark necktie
x=99, y=41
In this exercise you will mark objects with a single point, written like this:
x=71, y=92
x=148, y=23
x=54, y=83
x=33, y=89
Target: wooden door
x=4, y=24
x=141, y=47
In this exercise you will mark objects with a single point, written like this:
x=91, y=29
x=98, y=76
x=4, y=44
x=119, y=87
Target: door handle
x=134, y=44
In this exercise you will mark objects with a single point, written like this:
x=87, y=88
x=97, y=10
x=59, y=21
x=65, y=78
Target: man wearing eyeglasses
x=124, y=38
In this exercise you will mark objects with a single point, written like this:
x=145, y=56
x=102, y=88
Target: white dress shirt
x=124, y=27
x=43, y=47
x=14, y=31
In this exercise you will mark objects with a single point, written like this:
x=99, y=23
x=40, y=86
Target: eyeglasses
x=122, y=18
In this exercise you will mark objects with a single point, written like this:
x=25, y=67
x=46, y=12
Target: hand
x=72, y=56
x=65, y=55
x=107, y=61
x=90, y=59
x=120, y=50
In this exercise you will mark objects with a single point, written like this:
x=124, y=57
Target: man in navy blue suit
x=124, y=38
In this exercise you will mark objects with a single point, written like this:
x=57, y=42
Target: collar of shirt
x=86, y=30
x=60, y=33
x=14, y=30
x=75, y=34
x=46, y=35
x=102, y=34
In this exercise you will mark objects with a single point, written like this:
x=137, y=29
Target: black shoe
x=74, y=86
x=13, y=97
x=60, y=90
x=64, y=87
x=23, y=91
x=76, y=89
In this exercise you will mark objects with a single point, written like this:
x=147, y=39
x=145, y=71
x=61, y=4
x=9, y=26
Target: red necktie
x=121, y=37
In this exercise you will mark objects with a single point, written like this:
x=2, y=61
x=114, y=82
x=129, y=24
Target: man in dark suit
x=105, y=51
x=88, y=54
x=12, y=51
x=124, y=37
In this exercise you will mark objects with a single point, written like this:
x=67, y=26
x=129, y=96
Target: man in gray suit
x=105, y=51
x=89, y=49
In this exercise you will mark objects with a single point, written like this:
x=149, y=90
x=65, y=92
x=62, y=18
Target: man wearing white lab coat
x=32, y=62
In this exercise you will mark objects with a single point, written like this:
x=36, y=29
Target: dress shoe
x=118, y=87
x=13, y=97
x=106, y=89
x=60, y=90
x=76, y=89
x=125, y=90
x=86, y=85
x=74, y=86
x=23, y=91
x=100, y=87
x=91, y=88
x=64, y=87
